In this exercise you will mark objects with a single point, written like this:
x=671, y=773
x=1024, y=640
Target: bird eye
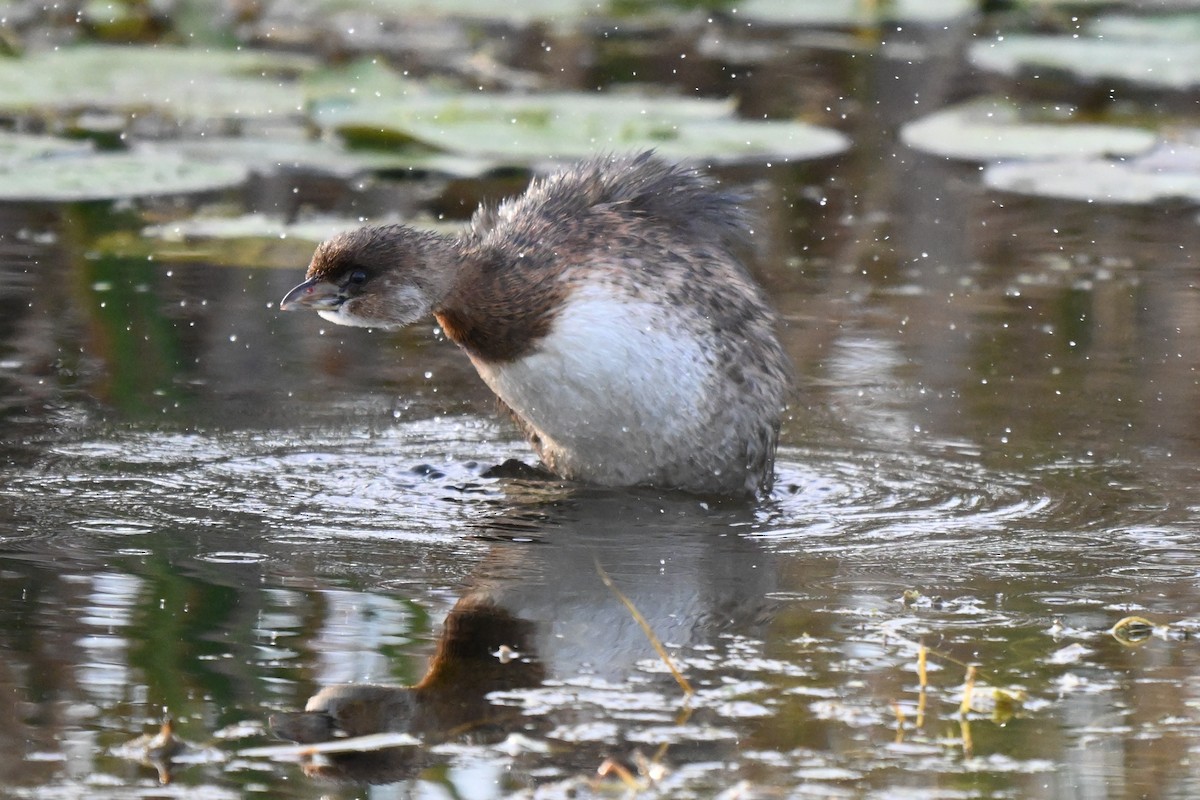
x=358, y=277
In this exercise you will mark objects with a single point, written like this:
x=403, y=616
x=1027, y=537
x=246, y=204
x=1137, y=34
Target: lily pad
x=112, y=176
x=363, y=80
x=845, y=13
x=790, y=12
x=1145, y=181
x=995, y=130
x=18, y=147
x=172, y=82
x=327, y=157
x=1178, y=28
x=250, y=226
x=526, y=128
x=310, y=231
x=1162, y=63
x=524, y=12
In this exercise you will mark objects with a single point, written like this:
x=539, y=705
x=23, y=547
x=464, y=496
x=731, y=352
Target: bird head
x=375, y=277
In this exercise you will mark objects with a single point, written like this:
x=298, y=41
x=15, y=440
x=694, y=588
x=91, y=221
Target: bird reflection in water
x=538, y=624
x=480, y=651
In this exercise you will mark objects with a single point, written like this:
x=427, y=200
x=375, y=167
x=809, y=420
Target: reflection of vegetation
x=136, y=342
x=404, y=668
x=262, y=250
x=180, y=623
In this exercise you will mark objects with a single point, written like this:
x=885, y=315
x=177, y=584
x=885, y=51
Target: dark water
x=213, y=511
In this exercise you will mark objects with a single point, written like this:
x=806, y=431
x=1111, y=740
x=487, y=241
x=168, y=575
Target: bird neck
x=500, y=306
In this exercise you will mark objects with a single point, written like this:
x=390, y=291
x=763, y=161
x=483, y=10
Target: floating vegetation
x=112, y=176
x=1167, y=175
x=827, y=13
x=993, y=129
x=846, y=13
x=17, y=147
x=520, y=129
x=115, y=96
x=249, y=226
x=1158, y=53
x=169, y=83
x=1134, y=631
x=327, y=157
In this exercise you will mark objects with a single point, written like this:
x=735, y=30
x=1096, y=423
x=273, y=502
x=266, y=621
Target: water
x=214, y=511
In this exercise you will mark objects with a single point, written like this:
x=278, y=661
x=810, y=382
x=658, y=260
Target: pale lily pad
x=737, y=140
x=839, y=13
x=523, y=12
x=996, y=130
x=250, y=226
x=172, y=82
x=528, y=128
x=365, y=80
x=847, y=13
x=112, y=176
x=311, y=231
x=1136, y=182
x=258, y=226
x=1163, y=63
x=1178, y=28
x=17, y=147
x=327, y=157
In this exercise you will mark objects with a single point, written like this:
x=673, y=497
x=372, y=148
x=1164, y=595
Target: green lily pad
x=1171, y=174
x=112, y=176
x=1162, y=63
x=526, y=128
x=172, y=82
x=993, y=130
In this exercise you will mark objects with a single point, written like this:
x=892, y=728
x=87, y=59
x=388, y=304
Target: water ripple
x=872, y=512
x=951, y=515
x=407, y=481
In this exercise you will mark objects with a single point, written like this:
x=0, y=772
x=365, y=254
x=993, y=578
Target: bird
x=607, y=310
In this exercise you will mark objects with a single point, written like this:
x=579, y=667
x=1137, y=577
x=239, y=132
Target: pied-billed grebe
x=605, y=308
